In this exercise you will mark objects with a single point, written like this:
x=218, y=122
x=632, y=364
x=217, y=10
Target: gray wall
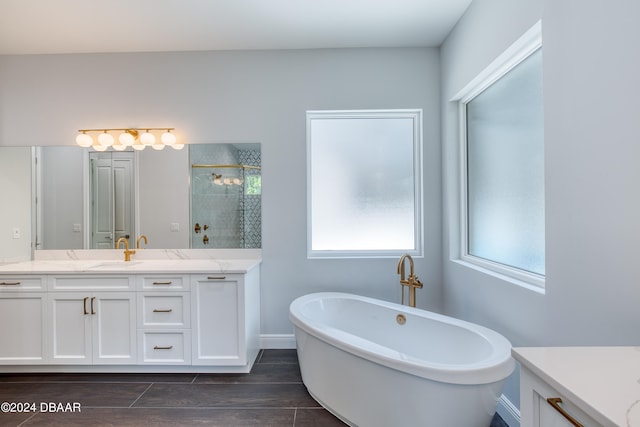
x=15, y=188
x=590, y=75
x=258, y=96
x=164, y=197
x=62, y=192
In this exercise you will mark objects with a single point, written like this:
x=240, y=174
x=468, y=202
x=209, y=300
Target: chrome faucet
x=127, y=251
x=412, y=281
x=143, y=237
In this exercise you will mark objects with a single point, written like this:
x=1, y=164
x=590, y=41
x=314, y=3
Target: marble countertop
x=603, y=381
x=145, y=261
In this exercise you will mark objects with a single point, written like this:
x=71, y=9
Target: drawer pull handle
x=84, y=304
x=157, y=347
x=10, y=283
x=555, y=402
x=216, y=277
x=162, y=310
x=163, y=283
x=93, y=311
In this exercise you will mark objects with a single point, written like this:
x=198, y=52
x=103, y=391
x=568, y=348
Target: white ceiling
x=83, y=26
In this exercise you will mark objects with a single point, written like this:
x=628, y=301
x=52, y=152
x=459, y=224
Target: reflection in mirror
x=225, y=196
x=111, y=198
x=60, y=208
x=161, y=199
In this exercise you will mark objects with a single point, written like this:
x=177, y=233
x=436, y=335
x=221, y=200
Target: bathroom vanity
x=164, y=311
x=573, y=386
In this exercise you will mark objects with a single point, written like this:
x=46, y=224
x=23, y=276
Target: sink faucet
x=412, y=281
x=143, y=237
x=127, y=251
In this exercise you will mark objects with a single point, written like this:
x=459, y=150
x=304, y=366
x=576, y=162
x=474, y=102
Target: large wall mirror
x=88, y=200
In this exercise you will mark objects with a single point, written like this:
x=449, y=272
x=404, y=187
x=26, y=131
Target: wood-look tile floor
x=271, y=395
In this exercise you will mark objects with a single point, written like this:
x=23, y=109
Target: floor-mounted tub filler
x=375, y=363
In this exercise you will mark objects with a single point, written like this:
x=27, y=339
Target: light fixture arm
x=128, y=130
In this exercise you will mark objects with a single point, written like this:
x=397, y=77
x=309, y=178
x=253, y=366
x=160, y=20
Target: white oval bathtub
x=369, y=369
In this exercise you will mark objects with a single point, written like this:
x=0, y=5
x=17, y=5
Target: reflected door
x=112, y=198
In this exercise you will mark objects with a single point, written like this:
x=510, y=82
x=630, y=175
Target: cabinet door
x=535, y=411
x=70, y=328
x=215, y=323
x=22, y=334
x=114, y=328
x=549, y=417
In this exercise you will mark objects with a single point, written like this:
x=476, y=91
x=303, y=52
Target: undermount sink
x=105, y=265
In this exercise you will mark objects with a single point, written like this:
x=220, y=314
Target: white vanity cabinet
x=164, y=320
x=186, y=315
x=22, y=320
x=225, y=318
x=543, y=406
x=92, y=320
x=579, y=386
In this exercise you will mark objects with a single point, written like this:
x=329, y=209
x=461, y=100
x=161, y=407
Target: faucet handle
x=141, y=237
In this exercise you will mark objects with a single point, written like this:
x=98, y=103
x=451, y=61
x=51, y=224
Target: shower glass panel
x=225, y=196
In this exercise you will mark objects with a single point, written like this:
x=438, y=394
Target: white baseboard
x=508, y=412
x=278, y=341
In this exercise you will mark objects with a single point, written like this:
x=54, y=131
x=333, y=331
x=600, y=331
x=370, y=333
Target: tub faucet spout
x=411, y=282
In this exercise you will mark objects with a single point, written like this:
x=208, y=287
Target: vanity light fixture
x=136, y=138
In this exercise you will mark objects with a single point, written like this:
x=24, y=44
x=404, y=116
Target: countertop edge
x=529, y=362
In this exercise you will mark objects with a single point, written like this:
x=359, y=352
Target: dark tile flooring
x=271, y=395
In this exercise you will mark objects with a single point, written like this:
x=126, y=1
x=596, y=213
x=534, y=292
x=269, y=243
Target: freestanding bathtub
x=376, y=363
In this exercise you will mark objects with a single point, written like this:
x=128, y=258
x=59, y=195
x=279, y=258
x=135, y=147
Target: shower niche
x=226, y=188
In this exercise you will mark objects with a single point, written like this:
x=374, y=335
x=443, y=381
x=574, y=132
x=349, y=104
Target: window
x=364, y=183
x=502, y=212
x=253, y=185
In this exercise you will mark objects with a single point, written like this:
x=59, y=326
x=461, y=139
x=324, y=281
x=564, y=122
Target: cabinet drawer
x=553, y=416
x=82, y=282
x=164, y=310
x=163, y=283
x=22, y=283
x=167, y=348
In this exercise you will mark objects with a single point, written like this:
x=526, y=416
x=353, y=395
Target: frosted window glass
x=362, y=184
x=505, y=169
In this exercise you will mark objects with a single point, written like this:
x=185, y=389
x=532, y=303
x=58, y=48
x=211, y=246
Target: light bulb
x=99, y=147
x=168, y=138
x=177, y=146
x=138, y=146
x=158, y=146
x=119, y=147
x=147, y=138
x=126, y=139
x=84, y=140
x=105, y=139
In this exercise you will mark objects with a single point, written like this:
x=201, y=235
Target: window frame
x=416, y=116
x=524, y=47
